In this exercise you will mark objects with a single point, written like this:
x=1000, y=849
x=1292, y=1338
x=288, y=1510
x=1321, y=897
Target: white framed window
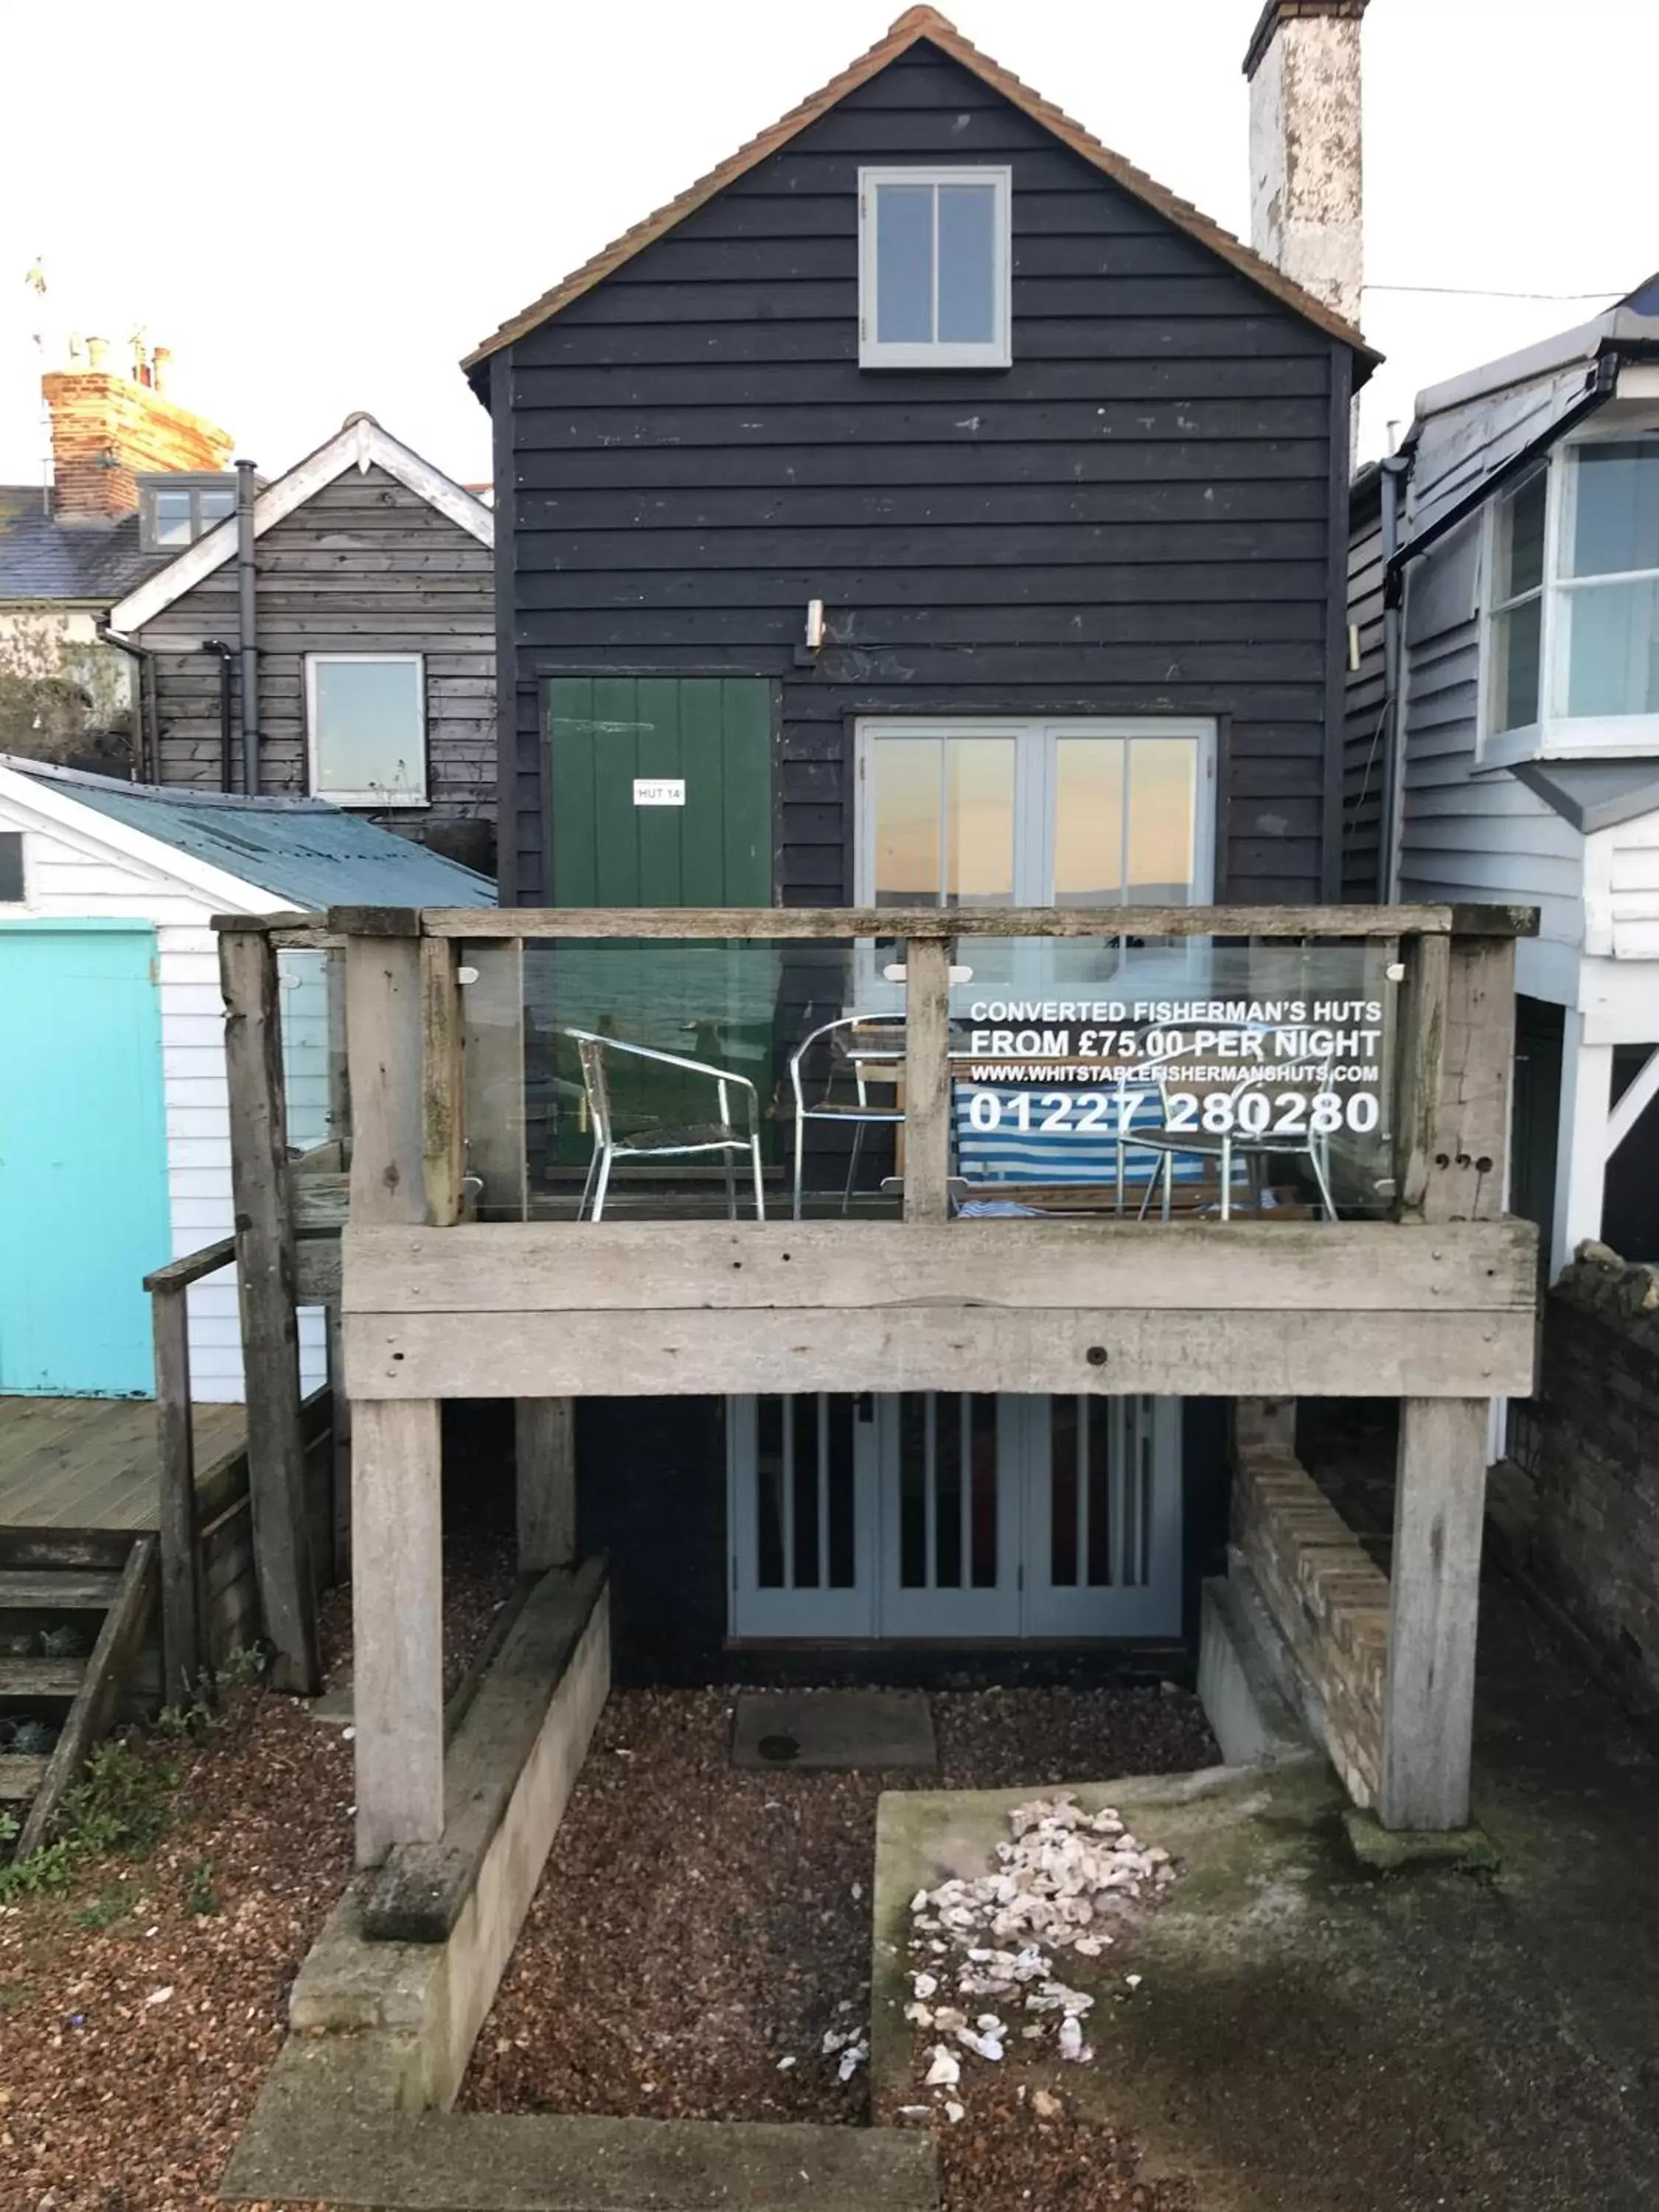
x=366, y=727
x=1570, y=649
x=934, y=268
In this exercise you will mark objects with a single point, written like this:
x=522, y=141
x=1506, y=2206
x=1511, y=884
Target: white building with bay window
x=1503, y=733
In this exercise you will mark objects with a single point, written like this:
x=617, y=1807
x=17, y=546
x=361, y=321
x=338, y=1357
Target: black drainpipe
x=246, y=619
x=1396, y=470
x=147, y=751
x=227, y=653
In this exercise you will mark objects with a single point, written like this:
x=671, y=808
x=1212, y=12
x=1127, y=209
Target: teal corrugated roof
x=305, y=852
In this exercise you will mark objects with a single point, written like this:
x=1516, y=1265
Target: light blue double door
x=83, y=1176
x=956, y=1517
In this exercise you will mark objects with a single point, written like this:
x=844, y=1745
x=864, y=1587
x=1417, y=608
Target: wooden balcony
x=1436, y=1301
x=1430, y=1298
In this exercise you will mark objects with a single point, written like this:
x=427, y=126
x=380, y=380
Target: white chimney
x=1305, y=181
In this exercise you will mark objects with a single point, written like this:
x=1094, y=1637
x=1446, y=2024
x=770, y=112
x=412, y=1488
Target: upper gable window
x=1572, y=659
x=173, y=511
x=933, y=268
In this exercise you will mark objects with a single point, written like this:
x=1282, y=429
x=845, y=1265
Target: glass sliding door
x=950, y=1535
x=1034, y=813
x=955, y=1516
x=801, y=1487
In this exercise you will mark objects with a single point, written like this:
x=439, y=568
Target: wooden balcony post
x=544, y=1429
x=1434, y=1590
x=398, y=1686
x=1456, y=1057
x=443, y=1111
x=545, y=1455
x=393, y=1001
x=179, y=1527
x=265, y=1277
x=926, y=1078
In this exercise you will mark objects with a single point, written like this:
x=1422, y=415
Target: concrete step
x=20, y=1778
x=326, y=2147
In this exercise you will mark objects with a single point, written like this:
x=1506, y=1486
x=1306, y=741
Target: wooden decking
x=92, y=1462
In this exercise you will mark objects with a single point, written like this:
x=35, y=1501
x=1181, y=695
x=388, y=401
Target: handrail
x=809, y=923
x=179, y=1274
x=178, y=1522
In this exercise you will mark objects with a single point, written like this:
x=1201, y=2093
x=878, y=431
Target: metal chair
x=884, y=1035
x=666, y=1142
x=1250, y=1145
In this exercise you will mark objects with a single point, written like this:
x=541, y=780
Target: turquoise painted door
x=83, y=1180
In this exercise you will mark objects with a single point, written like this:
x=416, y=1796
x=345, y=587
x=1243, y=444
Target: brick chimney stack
x=108, y=430
x=1305, y=173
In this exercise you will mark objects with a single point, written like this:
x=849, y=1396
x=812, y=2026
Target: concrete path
x=1306, y=2039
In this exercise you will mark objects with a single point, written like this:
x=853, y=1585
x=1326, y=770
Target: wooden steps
x=56, y=1589
x=45, y=1677
x=73, y=1611
x=20, y=1778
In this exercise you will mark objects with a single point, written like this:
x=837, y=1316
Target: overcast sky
x=321, y=205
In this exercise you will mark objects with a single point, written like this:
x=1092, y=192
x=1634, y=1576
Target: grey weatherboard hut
x=748, y=549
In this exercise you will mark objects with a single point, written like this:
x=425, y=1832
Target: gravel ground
x=140, y=2010
x=698, y=1926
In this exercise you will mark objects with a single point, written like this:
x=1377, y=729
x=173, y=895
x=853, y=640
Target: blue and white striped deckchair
x=1068, y=1154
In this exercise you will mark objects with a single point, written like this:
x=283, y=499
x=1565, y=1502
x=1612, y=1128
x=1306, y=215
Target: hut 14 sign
x=1288, y=1068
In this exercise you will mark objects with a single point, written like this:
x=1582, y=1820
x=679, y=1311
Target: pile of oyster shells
x=1059, y=1883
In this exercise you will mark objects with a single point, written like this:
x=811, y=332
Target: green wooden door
x=714, y=735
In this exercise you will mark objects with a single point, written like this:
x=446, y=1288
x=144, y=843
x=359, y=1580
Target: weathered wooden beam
x=260, y=1187
x=1433, y=1607
x=913, y=922
x=383, y=1021
x=492, y=1008
x=443, y=1116
x=544, y=1461
x=177, y=1525
x=396, y=1611
x=317, y=1270
x=340, y=1436
x=626, y=1267
x=927, y=1080
x=1457, y=1059
x=1191, y=1352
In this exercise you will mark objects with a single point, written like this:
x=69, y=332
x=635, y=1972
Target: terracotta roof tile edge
x=916, y=24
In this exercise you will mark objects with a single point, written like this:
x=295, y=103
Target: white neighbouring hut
x=114, y=1116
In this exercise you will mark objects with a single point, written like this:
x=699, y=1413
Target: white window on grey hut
x=934, y=268
x=1572, y=648
x=365, y=723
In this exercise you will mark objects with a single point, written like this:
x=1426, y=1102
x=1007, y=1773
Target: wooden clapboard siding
x=365, y=565
x=1145, y=515
x=1366, y=759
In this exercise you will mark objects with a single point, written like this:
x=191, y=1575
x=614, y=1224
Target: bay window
x=1572, y=659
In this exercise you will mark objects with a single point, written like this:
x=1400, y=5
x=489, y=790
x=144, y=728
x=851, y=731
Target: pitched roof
x=914, y=24
x=359, y=440
x=304, y=853
x=43, y=558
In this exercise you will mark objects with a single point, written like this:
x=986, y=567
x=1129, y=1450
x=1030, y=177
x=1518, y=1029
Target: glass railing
x=1170, y=1078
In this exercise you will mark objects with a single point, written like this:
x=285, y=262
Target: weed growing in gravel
x=202, y=1899
x=105, y=1910
x=122, y=1803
